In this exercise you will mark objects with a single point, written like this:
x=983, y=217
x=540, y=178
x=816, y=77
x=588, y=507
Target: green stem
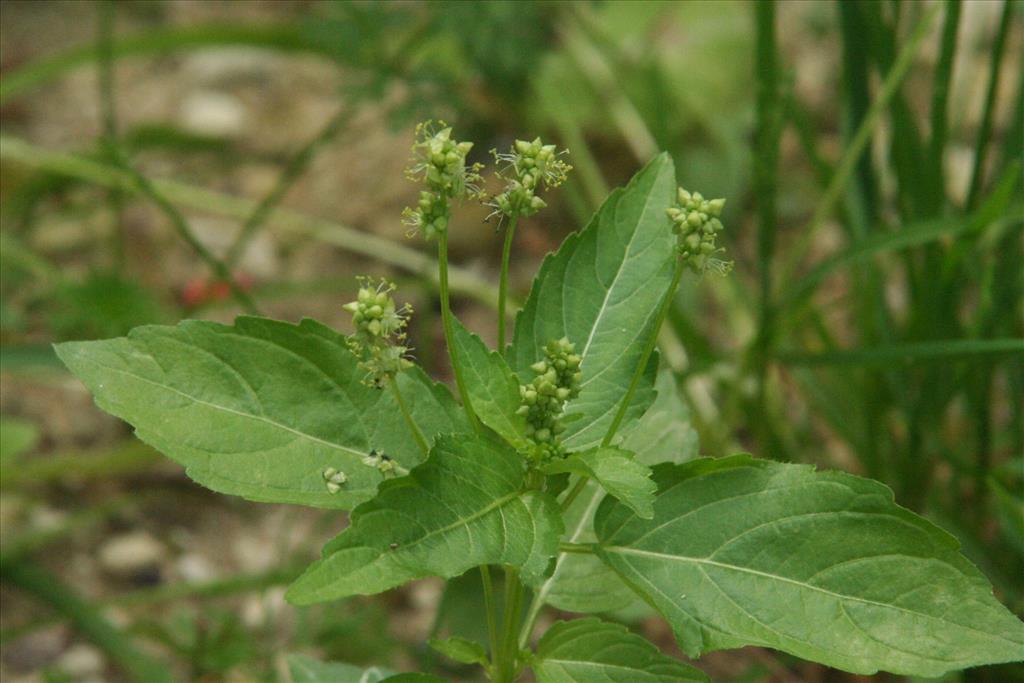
x=576, y=490
x=492, y=614
x=577, y=548
x=652, y=341
x=506, y=668
x=506, y=253
x=449, y=333
x=421, y=440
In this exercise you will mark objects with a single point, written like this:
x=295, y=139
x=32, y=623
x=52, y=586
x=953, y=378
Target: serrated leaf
x=582, y=583
x=461, y=650
x=305, y=669
x=261, y=408
x=617, y=473
x=588, y=650
x=601, y=290
x=464, y=507
x=493, y=388
x=823, y=565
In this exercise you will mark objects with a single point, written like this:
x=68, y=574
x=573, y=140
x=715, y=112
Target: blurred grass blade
x=284, y=37
x=462, y=281
x=985, y=129
x=856, y=148
x=86, y=619
x=940, y=96
x=929, y=351
x=924, y=232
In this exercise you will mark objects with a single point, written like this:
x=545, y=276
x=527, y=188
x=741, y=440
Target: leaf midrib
x=783, y=579
x=230, y=411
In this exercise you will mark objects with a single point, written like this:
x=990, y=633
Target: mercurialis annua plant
x=563, y=459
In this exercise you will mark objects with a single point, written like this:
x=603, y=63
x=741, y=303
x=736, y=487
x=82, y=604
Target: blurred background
x=168, y=159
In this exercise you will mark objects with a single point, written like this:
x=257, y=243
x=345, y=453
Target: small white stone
x=218, y=114
x=195, y=569
x=129, y=553
x=81, y=661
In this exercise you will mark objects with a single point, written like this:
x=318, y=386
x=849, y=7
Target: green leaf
x=601, y=290
x=588, y=650
x=617, y=473
x=823, y=565
x=461, y=650
x=464, y=507
x=664, y=433
x=582, y=583
x=262, y=408
x=305, y=669
x=493, y=389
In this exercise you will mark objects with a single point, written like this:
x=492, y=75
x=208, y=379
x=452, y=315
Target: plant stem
x=449, y=333
x=492, y=614
x=576, y=490
x=506, y=253
x=421, y=440
x=506, y=668
x=577, y=548
x=652, y=341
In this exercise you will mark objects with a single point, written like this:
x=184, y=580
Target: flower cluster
x=696, y=222
x=440, y=162
x=557, y=381
x=334, y=479
x=379, y=461
x=379, y=337
x=527, y=166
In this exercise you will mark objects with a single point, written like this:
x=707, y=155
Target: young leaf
x=461, y=650
x=262, y=408
x=493, y=389
x=587, y=650
x=582, y=583
x=601, y=290
x=464, y=507
x=617, y=473
x=823, y=565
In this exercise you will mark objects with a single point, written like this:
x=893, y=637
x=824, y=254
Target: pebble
x=128, y=554
x=213, y=113
x=82, y=661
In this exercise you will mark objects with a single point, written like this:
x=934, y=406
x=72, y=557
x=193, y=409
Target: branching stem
x=449, y=332
x=652, y=340
x=506, y=253
x=421, y=440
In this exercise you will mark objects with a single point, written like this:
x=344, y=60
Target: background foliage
x=166, y=160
